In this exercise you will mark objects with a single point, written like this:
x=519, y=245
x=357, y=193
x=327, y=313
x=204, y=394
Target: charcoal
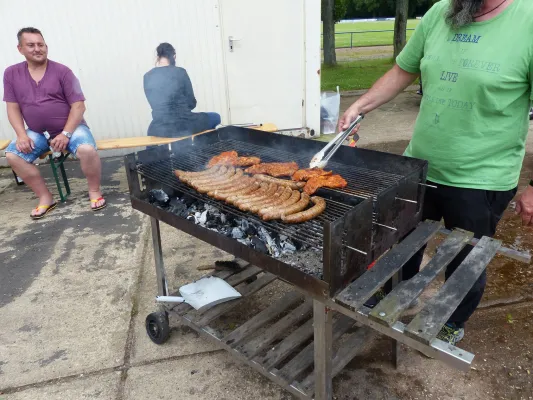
x=177, y=207
x=158, y=198
x=223, y=218
x=188, y=200
x=270, y=243
x=258, y=245
x=237, y=233
x=200, y=218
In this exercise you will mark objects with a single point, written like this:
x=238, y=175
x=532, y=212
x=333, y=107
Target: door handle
x=231, y=39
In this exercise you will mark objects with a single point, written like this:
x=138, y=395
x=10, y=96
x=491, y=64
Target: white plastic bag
x=330, y=103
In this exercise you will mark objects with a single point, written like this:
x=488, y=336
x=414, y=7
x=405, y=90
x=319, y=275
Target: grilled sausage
x=313, y=212
x=219, y=184
x=245, y=205
x=218, y=178
x=248, y=189
x=241, y=183
x=294, y=208
x=191, y=174
x=212, y=172
x=285, y=194
x=285, y=182
x=262, y=190
x=295, y=196
x=272, y=188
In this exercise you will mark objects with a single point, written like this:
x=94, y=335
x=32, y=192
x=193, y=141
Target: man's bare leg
x=92, y=169
x=31, y=176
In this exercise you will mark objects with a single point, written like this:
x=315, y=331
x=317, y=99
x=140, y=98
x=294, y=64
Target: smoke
x=462, y=12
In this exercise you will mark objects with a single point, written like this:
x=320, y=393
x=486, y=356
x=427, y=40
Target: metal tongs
x=321, y=159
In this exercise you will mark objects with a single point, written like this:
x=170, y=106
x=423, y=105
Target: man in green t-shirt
x=475, y=58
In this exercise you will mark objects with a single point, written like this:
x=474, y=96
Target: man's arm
x=75, y=116
x=14, y=115
x=383, y=91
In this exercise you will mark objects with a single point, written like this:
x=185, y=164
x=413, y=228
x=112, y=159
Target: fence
x=345, y=40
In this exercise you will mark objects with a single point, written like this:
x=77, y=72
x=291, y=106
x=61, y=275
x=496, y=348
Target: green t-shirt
x=473, y=119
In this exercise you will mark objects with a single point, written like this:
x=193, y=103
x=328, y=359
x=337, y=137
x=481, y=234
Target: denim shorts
x=82, y=135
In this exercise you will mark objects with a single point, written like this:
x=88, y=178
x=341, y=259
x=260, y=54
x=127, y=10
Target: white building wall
x=109, y=45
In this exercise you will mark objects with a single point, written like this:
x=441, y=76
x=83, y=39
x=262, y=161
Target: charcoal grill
x=380, y=207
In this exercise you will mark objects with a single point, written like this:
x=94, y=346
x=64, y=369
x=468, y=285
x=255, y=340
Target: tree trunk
x=400, y=26
x=329, y=32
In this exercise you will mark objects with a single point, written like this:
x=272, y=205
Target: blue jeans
x=82, y=135
x=214, y=119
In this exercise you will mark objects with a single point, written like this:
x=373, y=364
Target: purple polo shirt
x=44, y=106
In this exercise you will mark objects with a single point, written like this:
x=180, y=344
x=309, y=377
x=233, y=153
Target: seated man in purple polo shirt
x=48, y=97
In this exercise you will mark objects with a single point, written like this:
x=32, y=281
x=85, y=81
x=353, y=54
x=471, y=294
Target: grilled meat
x=225, y=158
x=308, y=173
x=273, y=169
x=333, y=181
x=231, y=158
x=302, y=216
x=284, y=182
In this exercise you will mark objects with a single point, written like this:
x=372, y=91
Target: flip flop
x=93, y=201
x=46, y=208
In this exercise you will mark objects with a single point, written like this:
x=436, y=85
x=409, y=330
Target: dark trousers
x=477, y=211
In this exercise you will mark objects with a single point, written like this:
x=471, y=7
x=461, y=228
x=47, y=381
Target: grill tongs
x=321, y=159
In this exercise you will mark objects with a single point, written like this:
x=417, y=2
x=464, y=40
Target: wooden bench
x=57, y=164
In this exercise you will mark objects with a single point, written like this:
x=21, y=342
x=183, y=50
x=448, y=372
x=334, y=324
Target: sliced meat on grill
x=225, y=158
x=274, y=169
x=246, y=161
x=302, y=216
x=333, y=182
x=285, y=182
x=308, y=173
x=232, y=158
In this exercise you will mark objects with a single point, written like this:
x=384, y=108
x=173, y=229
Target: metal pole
x=158, y=255
x=351, y=40
x=323, y=340
x=396, y=279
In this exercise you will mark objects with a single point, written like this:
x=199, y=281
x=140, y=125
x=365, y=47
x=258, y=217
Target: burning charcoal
x=251, y=230
x=246, y=242
x=158, y=198
x=287, y=247
x=237, y=233
x=270, y=243
x=225, y=230
x=258, y=245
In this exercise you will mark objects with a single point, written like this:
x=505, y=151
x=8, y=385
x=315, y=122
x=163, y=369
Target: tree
x=328, y=28
x=400, y=25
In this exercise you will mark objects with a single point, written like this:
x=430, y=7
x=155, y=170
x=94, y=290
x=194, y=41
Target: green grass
x=369, y=38
x=354, y=75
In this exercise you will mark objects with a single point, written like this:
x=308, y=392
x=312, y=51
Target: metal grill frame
x=373, y=199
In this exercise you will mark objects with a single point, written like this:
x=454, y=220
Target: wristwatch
x=67, y=134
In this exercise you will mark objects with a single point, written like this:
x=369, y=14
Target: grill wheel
x=157, y=327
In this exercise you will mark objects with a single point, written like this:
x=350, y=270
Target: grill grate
x=362, y=183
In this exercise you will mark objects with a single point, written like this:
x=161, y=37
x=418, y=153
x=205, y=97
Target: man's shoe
x=450, y=333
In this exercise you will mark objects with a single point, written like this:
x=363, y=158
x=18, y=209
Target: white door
x=264, y=48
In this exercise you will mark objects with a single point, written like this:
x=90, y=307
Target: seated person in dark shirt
x=169, y=91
